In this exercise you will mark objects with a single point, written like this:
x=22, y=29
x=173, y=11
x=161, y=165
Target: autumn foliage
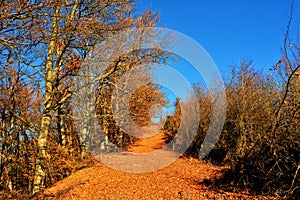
x=43, y=46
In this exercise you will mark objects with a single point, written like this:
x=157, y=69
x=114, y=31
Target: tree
x=48, y=41
x=19, y=121
x=142, y=100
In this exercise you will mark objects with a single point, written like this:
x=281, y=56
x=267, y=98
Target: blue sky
x=230, y=30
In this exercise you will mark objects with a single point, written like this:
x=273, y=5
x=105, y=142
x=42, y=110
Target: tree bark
x=48, y=112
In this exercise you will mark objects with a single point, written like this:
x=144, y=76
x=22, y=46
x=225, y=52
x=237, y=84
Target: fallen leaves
x=181, y=180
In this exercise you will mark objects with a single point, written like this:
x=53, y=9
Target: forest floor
x=183, y=179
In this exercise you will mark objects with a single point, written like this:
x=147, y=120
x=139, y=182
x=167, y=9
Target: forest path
x=149, y=144
x=183, y=179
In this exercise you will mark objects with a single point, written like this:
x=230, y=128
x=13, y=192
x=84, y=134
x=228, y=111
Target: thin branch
x=287, y=35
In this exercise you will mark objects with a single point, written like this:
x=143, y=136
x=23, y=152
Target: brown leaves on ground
x=183, y=179
x=149, y=144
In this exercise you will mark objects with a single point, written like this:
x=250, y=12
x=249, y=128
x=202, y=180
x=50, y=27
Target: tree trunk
x=61, y=124
x=40, y=165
